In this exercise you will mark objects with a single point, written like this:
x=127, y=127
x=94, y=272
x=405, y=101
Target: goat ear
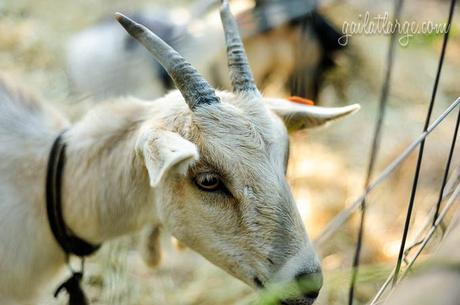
x=165, y=153
x=298, y=116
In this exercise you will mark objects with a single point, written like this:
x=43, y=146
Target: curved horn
x=240, y=72
x=195, y=90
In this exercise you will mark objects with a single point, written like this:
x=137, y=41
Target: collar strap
x=69, y=242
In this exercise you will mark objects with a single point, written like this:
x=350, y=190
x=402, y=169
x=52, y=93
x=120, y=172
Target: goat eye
x=208, y=182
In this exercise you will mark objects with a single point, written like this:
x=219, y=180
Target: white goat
x=208, y=165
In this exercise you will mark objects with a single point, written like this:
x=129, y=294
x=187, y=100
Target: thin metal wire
x=455, y=179
x=374, y=150
x=446, y=171
x=422, y=145
x=435, y=222
x=442, y=215
x=427, y=238
x=343, y=216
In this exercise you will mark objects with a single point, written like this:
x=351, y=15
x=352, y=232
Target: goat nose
x=310, y=283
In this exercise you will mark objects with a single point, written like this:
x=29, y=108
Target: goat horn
x=195, y=90
x=240, y=72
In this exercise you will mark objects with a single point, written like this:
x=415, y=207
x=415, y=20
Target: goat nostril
x=310, y=283
x=258, y=282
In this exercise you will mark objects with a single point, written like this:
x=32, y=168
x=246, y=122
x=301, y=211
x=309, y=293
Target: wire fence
x=449, y=190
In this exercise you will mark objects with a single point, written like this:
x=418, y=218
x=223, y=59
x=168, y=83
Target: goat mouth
x=300, y=301
x=306, y=299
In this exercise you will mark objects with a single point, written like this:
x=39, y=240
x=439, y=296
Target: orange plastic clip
x=301, y=100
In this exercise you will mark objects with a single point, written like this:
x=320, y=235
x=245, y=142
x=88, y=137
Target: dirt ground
x=327, y=166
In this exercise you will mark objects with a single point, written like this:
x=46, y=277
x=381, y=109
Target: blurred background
x=74, y=55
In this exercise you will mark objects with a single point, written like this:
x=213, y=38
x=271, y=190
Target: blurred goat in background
x=289, y=43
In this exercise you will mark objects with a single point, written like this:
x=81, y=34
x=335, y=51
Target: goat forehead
x=247, y=166
x=247, y=140
x=235, y=139
x=236, y=125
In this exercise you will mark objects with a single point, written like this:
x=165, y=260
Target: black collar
x=69, y=242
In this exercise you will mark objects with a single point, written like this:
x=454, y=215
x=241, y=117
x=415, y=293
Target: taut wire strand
x=343, y=216
x=374, y=150
x=422, y=144
x=446, y=170
x=425, y=241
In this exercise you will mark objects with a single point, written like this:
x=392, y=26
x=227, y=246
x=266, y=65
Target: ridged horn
x=240, y=72
x=193, y=87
